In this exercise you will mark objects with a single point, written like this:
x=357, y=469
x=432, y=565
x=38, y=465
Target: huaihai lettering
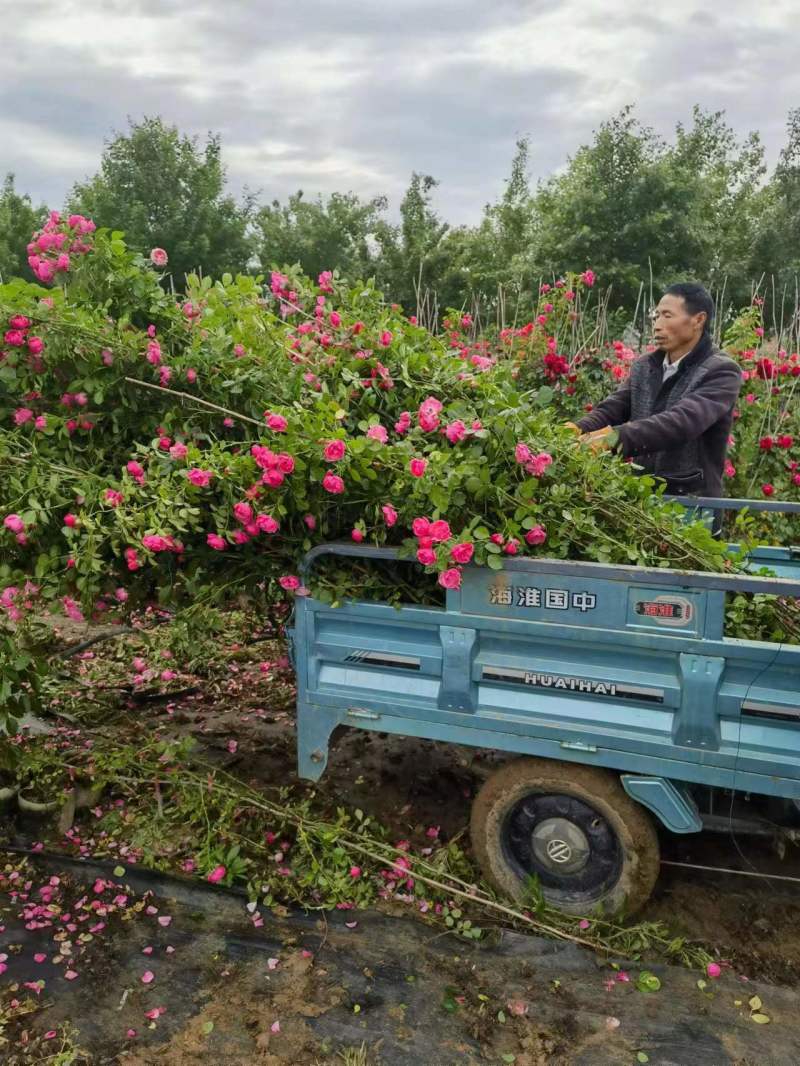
x=572, y=684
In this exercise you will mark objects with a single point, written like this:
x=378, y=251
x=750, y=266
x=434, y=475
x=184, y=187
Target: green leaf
x=760, y=1019
x=509, y=1058
x=648, y=982
x=208, y=1027
x=641, y=1057
x=494, y=562
x=754, y=1003
x=119, y=871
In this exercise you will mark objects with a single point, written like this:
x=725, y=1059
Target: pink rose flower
x=539, y=463
x=462, y=553
x=426, y=556
x=276, y=422
x=450, y=579
x=215, y=541
x=154, y=542
x=378, y=433
x=334, y=450
x=198, y=477
x=536, y=535
x=14, y=523
x=386, y=338
x=178, y=451
x=522, y=453
x=216, y=875
x=440, y=530
x=289, y=582
x=22, y=415
x=267, y=524
x=158, y=257
x=455, y=431
x=357, y=536
x=421, y=527
x=417, y=467
x=389, y=514
x=243, y=513
x=333, y=484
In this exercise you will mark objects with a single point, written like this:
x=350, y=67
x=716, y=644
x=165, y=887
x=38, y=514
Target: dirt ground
x=407, y=993
x=408, y=784
x=210, y=988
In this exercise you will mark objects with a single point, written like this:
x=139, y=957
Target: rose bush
x=194, y=448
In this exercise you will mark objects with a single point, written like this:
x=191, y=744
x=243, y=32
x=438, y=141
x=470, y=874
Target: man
x=673, y=415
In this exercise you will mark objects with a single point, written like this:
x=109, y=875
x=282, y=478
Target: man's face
x=673, y=326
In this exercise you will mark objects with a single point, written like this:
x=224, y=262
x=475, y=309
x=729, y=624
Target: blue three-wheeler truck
x=615, y=684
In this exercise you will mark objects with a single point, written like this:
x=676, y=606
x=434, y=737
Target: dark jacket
x=676, y=429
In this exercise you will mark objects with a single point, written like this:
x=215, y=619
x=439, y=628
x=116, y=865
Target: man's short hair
x=696, y=297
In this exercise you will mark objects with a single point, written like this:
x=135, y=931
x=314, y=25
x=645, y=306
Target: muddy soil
x=409, y=784
x=303, y=990
x=409, y=993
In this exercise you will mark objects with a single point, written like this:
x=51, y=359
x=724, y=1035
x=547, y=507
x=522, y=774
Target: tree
x=497, y=254
x=776, y=250
x=728, y=199
x=163, y=191
x=320, y=235
x=412, y=254
x=18, y=220
x=619, y=208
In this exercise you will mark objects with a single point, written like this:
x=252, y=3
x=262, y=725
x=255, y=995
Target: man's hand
x=571, y=426
x=601, y=440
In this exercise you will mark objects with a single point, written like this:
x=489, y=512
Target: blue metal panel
x=673, y=803
x=697, y=722
x=613, y=666
x=458, y=691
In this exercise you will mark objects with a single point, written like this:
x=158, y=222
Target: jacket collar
x=696, y=355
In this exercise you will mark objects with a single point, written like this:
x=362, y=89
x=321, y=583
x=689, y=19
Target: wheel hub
x=560, y=846
x=565, y=843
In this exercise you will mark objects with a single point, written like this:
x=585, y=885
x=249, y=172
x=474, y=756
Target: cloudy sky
x=345, y=95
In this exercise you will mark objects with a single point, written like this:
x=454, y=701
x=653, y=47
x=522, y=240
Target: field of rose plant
x=186, y=449
x=166, y=460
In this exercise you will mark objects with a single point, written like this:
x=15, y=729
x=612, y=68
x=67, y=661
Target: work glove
x=602, y=440
x=571, y=426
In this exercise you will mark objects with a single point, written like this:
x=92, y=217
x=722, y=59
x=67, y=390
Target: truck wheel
x=573, y=828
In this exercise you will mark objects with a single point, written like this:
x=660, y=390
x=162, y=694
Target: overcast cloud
x=342, y=95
